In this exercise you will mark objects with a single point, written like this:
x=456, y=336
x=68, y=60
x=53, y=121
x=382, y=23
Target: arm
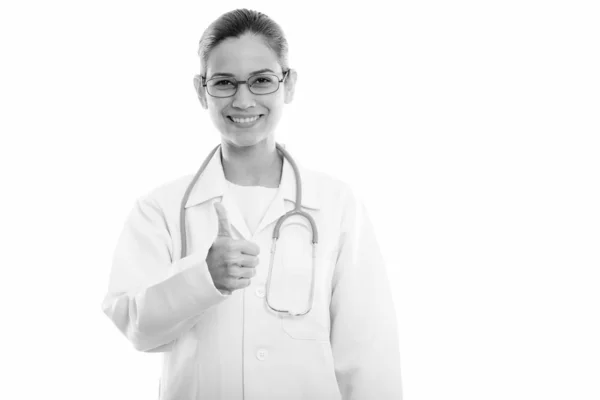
x=364, y=334
x=151, y=299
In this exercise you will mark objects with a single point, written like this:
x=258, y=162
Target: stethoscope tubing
x=276, y=230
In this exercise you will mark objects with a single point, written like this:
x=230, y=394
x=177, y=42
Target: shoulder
x=329, y=189
x=168, y=195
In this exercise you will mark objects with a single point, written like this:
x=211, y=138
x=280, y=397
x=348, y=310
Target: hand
x=231, y=263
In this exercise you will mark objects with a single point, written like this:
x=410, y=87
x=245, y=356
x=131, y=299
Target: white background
x=469, y=128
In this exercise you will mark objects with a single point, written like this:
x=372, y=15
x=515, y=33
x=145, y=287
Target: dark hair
x=238, y=22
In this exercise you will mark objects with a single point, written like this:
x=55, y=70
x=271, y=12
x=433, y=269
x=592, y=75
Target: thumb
x=224, y=226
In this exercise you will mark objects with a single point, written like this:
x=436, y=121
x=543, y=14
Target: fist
x=231, y=263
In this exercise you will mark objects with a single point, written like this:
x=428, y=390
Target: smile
x=245, y=120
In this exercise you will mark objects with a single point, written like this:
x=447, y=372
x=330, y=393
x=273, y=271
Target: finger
x=241, y=260
x=249, y=248
x=240, y=283
x=224, y=225
x=247, y=261
x=242, y=272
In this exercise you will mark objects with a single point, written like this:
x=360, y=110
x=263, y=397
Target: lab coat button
x=262, y=354
x=260, y=292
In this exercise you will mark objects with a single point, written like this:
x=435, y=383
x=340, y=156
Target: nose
x=243, y=98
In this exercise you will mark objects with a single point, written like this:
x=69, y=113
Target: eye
x=222, y=82
x=263, y=81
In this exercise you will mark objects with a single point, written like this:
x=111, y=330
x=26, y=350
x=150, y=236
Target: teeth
x=245, y=120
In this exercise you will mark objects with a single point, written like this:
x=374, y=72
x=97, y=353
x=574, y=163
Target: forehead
x=241, y=56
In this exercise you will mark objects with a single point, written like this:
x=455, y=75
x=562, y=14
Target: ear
x=200, y=91
x=290, y=86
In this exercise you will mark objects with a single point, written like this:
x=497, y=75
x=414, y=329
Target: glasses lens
x=221, y=87
x=263, y=84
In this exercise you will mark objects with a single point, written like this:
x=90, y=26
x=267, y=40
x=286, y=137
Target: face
x=245, y=119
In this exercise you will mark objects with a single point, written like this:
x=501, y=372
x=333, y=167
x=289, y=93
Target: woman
x=214, y=304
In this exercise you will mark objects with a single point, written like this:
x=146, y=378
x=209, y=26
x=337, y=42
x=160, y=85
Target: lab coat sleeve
x=364, y=333
x=151, y=299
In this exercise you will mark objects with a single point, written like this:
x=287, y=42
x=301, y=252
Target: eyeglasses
x=257, y=84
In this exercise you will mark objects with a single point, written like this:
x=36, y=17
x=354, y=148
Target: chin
x=242, y=140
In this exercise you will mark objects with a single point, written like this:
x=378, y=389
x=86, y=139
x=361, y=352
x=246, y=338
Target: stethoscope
x=296, y=211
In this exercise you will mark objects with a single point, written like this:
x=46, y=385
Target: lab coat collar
x=212, y=184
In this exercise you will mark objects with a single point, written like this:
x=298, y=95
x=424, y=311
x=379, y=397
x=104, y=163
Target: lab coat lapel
x=274, y=212
x=234, y=214
x=213, y=185
x=285, y=198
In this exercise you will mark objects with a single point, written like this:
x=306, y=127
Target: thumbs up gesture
x=231, y=262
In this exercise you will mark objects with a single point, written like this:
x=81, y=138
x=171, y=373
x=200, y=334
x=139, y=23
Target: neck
x=258, y=165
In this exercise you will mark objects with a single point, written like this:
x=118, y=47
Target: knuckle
x=232, y=259
x=233, y=256
x=234, y=270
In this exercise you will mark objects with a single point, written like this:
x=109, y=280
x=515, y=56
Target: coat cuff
x=193, y=269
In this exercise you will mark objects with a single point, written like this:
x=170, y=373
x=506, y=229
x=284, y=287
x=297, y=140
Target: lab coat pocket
x=315, y=324
x=291, y=281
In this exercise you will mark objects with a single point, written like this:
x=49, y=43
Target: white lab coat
x=217, y=346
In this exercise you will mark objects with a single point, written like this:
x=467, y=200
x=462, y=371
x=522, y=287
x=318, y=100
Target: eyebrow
x=260, y=71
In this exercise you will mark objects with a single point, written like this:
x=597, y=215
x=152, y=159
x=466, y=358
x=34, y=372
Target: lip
x=244, y=115
x=244, y=124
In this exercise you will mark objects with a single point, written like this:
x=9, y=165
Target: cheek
x=275, y=106
x=215, y=110
x=276, y=113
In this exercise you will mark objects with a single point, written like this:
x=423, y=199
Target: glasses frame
x=238, y=83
